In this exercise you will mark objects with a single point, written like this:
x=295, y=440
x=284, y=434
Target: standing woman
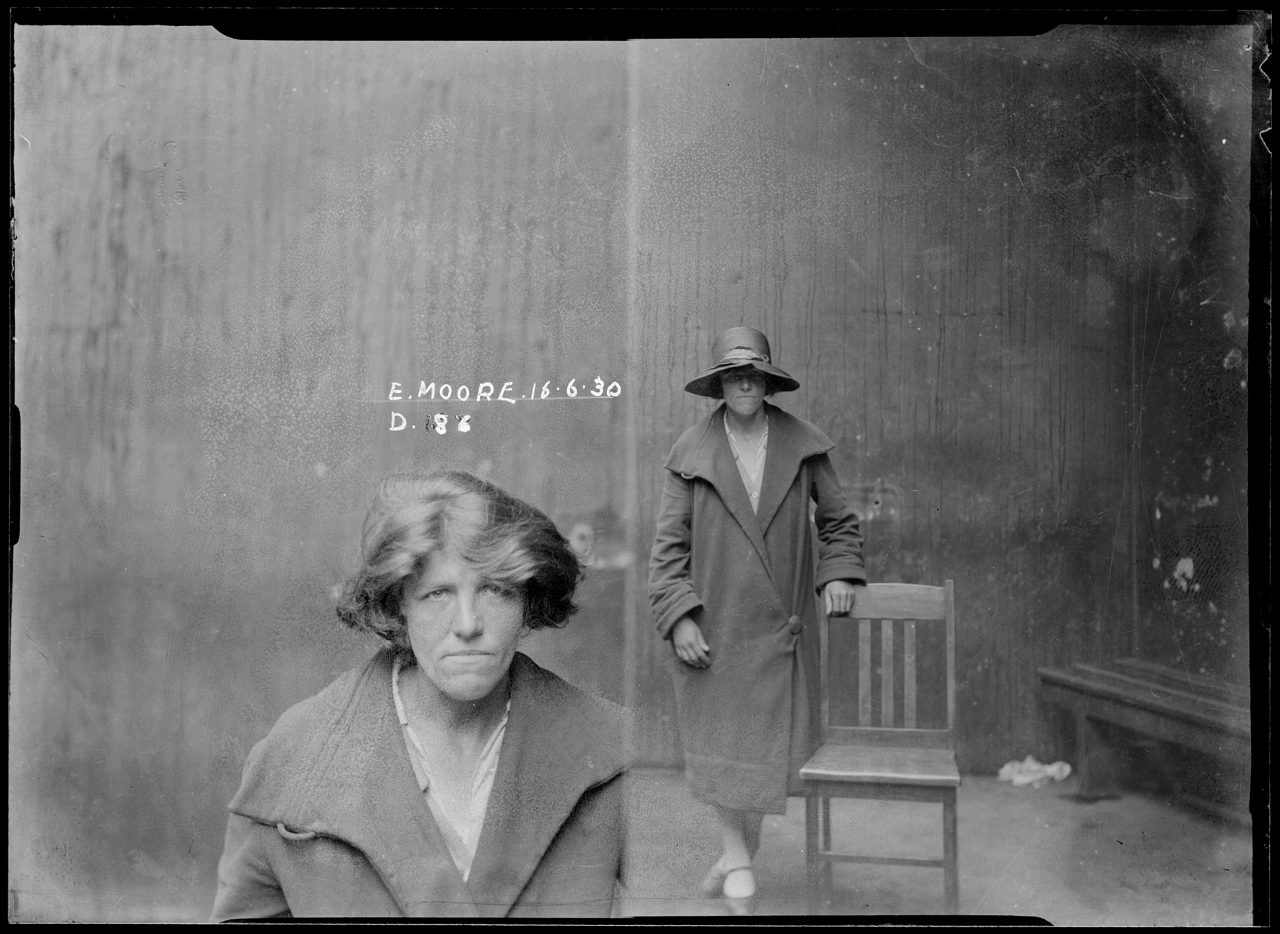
x=733, y=583
x=449, y=775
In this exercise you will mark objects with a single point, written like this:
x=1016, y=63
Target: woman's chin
x=470, y=687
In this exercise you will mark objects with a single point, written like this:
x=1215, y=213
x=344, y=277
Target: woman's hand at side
x=691, y=648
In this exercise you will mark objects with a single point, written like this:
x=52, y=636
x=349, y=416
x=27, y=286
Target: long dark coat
x=750, y=582
x=330, y=820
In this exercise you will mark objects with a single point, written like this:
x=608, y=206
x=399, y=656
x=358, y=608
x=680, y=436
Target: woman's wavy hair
x=415, y=516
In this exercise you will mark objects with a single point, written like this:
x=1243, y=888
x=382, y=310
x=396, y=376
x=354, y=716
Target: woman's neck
x=468, y=721
x=747, y=428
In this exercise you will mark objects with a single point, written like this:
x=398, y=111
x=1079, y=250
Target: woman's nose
x=468, y=622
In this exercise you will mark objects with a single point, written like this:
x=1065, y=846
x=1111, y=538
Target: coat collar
x=337, y=765
x=559, y=744
x=705, y=453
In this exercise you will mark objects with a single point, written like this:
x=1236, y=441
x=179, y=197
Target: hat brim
x=708, y=383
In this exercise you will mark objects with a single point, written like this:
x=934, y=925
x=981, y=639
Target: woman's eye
x=498, y=590
x=434, y=594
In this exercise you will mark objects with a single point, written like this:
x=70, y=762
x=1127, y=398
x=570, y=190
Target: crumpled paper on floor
x=1032, y=772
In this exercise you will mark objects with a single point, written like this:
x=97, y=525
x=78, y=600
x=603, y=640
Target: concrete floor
x=1024, y=852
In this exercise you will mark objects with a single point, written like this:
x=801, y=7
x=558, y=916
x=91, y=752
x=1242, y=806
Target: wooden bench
x=1191, y=711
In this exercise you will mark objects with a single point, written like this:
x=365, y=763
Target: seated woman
x=449, y=775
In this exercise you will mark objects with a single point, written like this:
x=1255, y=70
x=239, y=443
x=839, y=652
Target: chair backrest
x=899, y=639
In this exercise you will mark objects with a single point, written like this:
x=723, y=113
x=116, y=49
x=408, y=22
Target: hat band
x=744, y=354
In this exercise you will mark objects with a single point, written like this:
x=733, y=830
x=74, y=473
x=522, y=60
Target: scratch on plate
x=108, y=101
x=37, y=645
x=129, y=300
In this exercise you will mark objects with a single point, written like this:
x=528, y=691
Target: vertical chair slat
x=950, y=616
x=909, y=674
x=886, y=672
x=864, y=672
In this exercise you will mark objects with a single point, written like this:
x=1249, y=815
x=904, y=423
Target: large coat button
x=794, y=625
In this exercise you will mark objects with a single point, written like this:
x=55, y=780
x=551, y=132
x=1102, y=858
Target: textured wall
x=1008, y=273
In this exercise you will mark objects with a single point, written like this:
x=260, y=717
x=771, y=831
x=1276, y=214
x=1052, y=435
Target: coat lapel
x=711, y=459
x=386, y=816
x=552, y=753
x=354, y=782
x=790, y=442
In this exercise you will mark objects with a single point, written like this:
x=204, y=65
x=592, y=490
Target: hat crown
x=737, y=348
x=745, y=344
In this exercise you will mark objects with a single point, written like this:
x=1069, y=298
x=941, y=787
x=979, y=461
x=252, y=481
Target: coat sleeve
x=671, y=591
x=247, y=888
x=839, y=538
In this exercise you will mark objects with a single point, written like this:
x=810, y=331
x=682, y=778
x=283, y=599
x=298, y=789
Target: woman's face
x=743, y=391
x=462, y=627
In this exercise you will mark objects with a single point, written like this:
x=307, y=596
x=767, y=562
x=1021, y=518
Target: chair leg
x=826, y=823
x=827, y=866
x=950, y=869
x=811, y=851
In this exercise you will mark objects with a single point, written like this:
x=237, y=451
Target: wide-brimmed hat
x=737, y=348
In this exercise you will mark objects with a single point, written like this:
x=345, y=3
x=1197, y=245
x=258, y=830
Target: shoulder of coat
x=561, y=691
x=299, y=732
x=589, y=719
x=334, y=698
x=691, y=441
x=798, y=432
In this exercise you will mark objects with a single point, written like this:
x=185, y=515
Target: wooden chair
x=876, y=744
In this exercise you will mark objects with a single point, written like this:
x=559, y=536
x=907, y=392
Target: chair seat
x=839, y=762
